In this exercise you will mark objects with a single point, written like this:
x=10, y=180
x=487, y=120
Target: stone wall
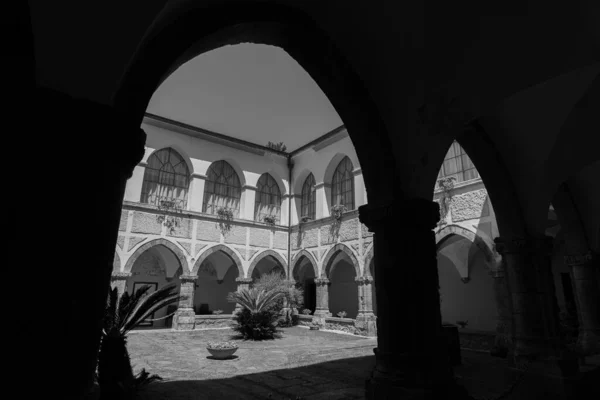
x=476, y=340
x=214, y=321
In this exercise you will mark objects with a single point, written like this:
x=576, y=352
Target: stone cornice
x=579, y=259
x=357, y=171
x=322, y=184
x=364, y=280
x=188, y=278
x=414, y=213
x=197, y=175
x=321, y=281
x=249, y=187
x=115, y=276
x=243, y=280
x=523, y=246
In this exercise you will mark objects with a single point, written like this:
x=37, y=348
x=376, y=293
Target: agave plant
x=115, y=373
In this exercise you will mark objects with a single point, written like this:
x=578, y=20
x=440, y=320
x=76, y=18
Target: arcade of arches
x=527, y=118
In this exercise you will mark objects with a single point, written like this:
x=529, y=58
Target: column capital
x=321, y=281
x=243, y=280
x=364, y=280
x=188, y=278
x=529, y=245
x=579, y=259
x=118, y=276
x=415, y=213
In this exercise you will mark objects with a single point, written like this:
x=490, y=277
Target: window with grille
x=167, y=178
x=458, y=164
x=222, y=189
x=268, y=199
x=308, y=200
x=342, y=185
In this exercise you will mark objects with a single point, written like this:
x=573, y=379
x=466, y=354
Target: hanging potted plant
x=269, y=220
x=225, y=216
x=337, y=212
x=166, y=207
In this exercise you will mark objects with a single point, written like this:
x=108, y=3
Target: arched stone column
x=535, y=330
x=322, y=298
x=411, y=360
x=185, y=317
x=119, y=280
x=584, y=269
x=365, y=320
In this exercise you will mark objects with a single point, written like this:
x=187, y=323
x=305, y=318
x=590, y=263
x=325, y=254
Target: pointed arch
x=482, y=244
x=177, y=251
x=237, y=261
x=117, y=263
x=309, y=257
x=342, y=184
x=327, y=261
x=263, y=254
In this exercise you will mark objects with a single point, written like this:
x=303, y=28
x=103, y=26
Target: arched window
x=268, y=199
x=167, y=178
x=342, y=185
x=457, y=164
x=308, y=201
x=222, y=189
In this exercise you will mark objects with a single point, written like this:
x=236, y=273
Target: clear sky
x=253, y=92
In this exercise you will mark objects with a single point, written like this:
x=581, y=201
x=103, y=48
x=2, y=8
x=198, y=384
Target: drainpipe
x=290, y=165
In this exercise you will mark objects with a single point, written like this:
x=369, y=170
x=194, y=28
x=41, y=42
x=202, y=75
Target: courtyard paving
x=301, y=364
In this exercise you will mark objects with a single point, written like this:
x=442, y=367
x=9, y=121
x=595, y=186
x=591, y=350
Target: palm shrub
x=292, y=295
x=258, y=318
x=115, y=373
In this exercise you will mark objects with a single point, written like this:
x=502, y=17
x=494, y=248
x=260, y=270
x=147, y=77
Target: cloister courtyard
x=300, y=363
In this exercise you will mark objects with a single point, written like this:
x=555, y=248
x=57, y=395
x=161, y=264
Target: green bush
x=258, y=318
x=276, y=281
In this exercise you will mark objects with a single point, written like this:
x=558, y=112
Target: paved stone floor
x=302, y=364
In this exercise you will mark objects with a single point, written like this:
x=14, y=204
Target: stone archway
x=261, y=256
x=342, y=268
x=204, y=27
x=304, y=274
x=219, y=247
x=178, y=252
x=327, y=261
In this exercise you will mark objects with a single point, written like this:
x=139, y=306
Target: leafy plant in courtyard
x=257, y=319
x=290, y=303
x=115, y=373
x=277, y=146
x=446, y=185
x=342, y=314
x=306, y=311
x=217, y=312
x=225, y=216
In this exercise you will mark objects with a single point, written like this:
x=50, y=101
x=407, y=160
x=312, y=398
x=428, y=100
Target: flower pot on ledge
x=221, y=351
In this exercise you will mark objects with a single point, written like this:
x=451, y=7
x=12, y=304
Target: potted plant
x=225, y=216
x=222, y=350
x=218, y=312
x=269, y=220
x=306, y=311
x=342, y=314
x=314, y=326
x=462, y=324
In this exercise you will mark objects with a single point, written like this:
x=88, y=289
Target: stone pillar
x=242, y=283
x=584, y=268
x=322, y=309
x=529, y=279
x=119, y=280
x=365, y=320
x=185, y=317
x=411, y=359
x=504, y=322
